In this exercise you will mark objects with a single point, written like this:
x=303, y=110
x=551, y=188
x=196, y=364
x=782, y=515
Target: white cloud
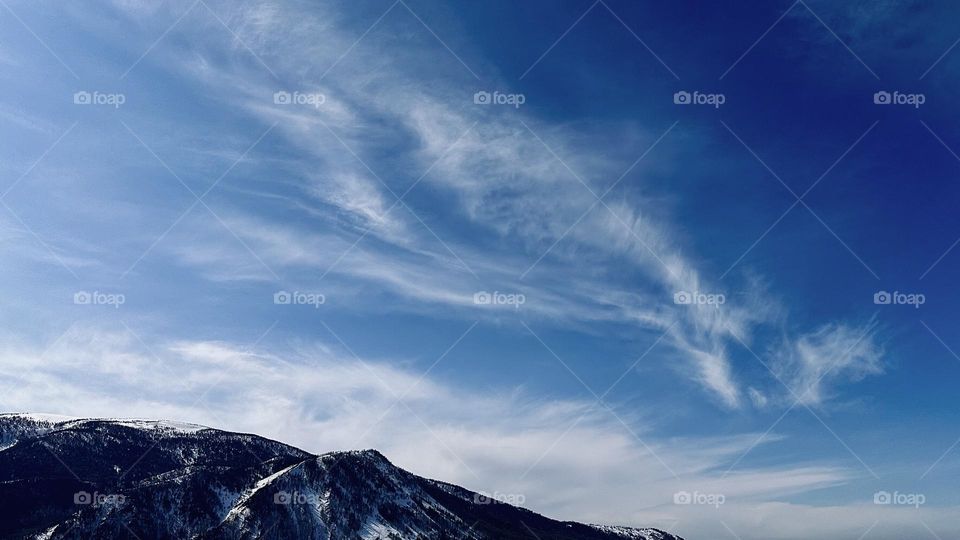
x=758, y=398
x=714, y=373
x=809, y=364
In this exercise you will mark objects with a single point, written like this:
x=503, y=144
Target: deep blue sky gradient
x=799, y=99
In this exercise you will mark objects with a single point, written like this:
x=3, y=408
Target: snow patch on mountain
x=180, y=427
x=631, y=532
x=374, y=529
x=42, y=417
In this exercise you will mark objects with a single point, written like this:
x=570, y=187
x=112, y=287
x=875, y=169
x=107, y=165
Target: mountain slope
x=66, y=478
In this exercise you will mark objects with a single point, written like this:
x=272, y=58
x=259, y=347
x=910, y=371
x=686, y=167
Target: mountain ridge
x=133, y=478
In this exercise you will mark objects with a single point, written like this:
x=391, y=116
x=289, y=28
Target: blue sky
x=189, y=193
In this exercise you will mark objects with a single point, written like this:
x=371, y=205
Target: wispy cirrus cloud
x=811, y=362
x=500, y=199
x=526, y=189
x=513, y=176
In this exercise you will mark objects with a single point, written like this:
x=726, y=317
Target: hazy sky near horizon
x=598, y=254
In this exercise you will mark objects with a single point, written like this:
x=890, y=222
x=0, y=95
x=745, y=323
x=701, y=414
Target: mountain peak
x=122, y=478
x=368, y=453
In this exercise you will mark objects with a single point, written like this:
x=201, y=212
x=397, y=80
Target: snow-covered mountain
x=65, y=478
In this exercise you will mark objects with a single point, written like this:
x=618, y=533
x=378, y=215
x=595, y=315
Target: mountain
x=64, y=478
